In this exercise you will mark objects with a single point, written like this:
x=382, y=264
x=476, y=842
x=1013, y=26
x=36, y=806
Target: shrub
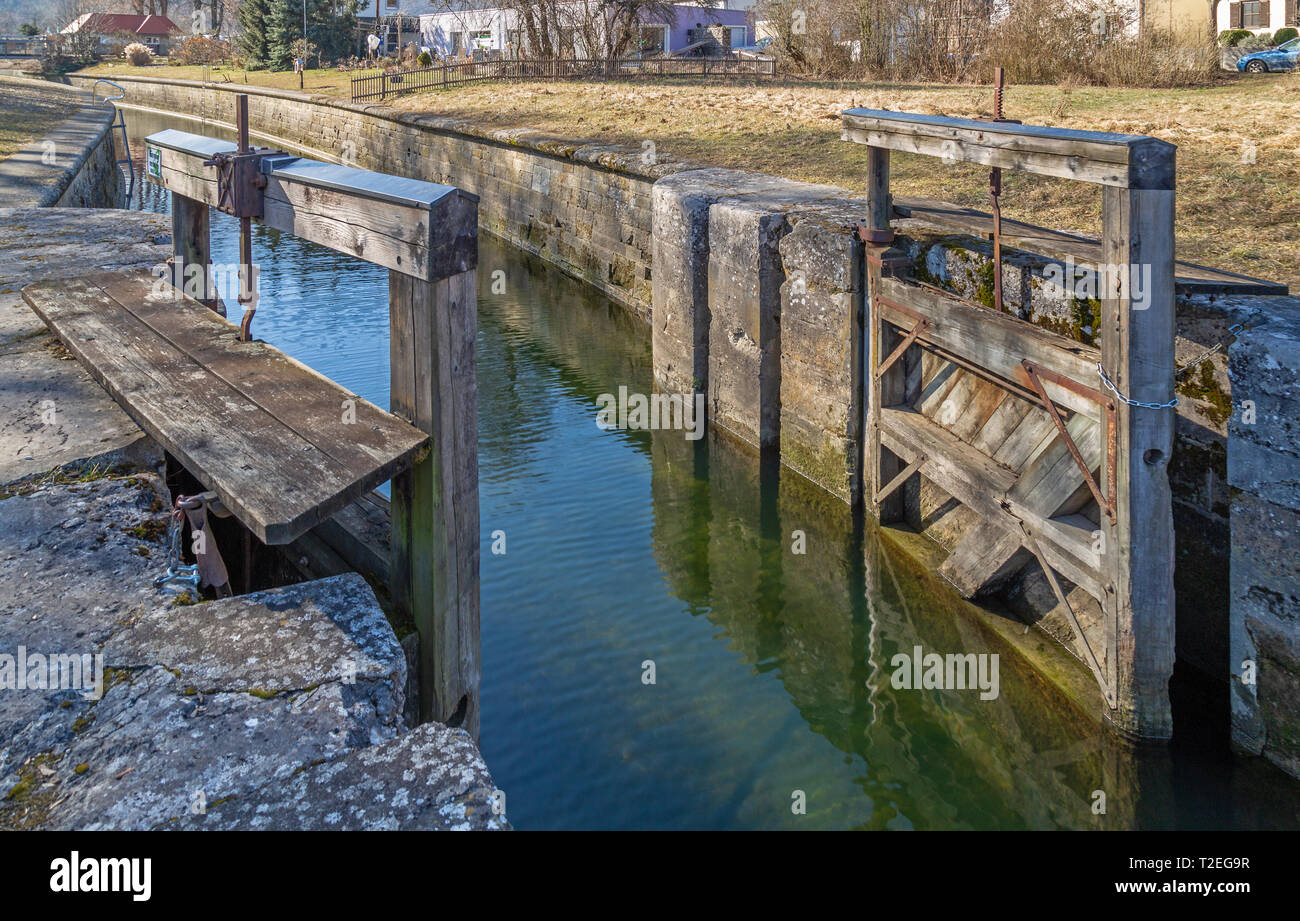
x=425, y=59
x=1262, y=40
x=1231, y=38
x=200, y=49
x=1285, y=35
x=137, y=55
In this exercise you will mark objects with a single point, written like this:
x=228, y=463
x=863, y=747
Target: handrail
x=94, y=88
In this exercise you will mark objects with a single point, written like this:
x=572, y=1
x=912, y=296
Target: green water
x=772, y=668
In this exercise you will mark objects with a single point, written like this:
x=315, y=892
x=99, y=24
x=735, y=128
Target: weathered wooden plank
x=936, y=390
x=435, y=526
x=1085, y=252
x=1117, y=160
x=1008, y=415
x=996, y=342
x=275, y=481
x=418, y=228
x=975, y=480
x=985, y=398
x=1050, y=486
x=361, y=535
x=340, y=424
x=958, y=399
x=889, y=388
x=1032, y=436
x=1138, y=353
x=192, y=250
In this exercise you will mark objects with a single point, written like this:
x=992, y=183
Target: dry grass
x=1232, y=214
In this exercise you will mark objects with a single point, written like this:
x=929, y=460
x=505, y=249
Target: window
x=1250, y=14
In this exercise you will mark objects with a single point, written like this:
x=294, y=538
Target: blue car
x=1283, y=57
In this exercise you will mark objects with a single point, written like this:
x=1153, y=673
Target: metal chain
x=1131, y=402
x=177, y=572
x=1232, y=334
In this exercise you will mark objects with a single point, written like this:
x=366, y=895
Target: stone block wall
x=1264, y=480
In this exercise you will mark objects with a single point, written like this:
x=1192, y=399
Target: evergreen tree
x=331, y=27
x=253, y=15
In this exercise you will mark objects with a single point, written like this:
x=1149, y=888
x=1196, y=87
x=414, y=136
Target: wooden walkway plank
x=272, y=478
x=344, y=426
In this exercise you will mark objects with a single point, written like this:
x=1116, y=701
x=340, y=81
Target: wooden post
x=882, y=465
x=191, y=246
x=435, y=530
x=1137, y=348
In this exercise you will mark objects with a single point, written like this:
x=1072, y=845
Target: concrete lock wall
x=73, y=166
x=754, y=290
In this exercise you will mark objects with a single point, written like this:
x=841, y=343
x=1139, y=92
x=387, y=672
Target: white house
x=1256, y=15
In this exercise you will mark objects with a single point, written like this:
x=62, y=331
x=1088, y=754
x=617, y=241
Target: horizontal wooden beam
x=995, y=342
x=1131, y=161
x=422, y=229
x=971, y=478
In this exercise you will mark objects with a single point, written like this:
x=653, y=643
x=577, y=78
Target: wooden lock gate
x=282, y=447
x=1016, y=422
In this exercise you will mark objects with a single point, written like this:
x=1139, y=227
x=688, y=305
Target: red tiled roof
x=111, y=23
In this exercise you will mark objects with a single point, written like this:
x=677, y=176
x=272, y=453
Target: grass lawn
x=26, y=115
x=1238, y=142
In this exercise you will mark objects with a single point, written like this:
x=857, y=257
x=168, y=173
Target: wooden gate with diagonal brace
x=1059, y=447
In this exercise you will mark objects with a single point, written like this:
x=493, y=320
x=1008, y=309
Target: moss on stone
x=825, y=465
x=1216, y=404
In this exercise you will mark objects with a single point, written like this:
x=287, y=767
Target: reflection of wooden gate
x=1018, y=423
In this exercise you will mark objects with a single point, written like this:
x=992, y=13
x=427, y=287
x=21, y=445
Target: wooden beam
x=422, y=229
x=1138, y=354
x=192, y=250
x=1119, y=160
x=882, y=465
x=995, y=342
x=434, y=573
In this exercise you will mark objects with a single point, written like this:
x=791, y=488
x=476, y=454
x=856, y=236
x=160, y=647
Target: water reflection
x=772, y=667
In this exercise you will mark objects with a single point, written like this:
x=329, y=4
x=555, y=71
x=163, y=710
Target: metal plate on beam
x=414, y=193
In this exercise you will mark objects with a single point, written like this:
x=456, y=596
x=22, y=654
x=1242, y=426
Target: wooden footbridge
x=1059, y=448
x=275, y=444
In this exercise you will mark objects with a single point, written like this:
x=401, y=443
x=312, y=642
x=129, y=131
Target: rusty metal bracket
x=922, y=324
x=878, y=237
x=241, y=185
x=1035, y=375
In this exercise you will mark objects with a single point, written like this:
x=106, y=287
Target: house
x=495, y=30
x=155, y=32
x=1256, y=15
